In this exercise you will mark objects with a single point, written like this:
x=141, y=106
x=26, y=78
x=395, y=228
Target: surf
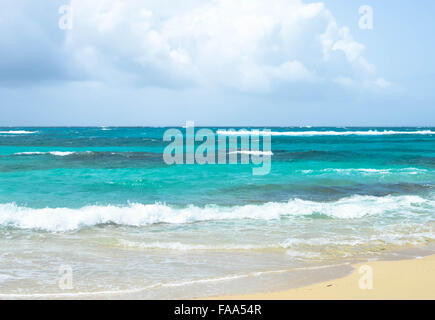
x=137, y=214
x=325, y=133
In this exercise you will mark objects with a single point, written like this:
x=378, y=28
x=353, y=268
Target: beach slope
x=405, y=279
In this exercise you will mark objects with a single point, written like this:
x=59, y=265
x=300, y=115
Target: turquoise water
x=103, y=201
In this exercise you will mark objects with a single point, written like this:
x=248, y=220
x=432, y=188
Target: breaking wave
x=412, y=171
x=136, y=214
x=324, y=133
x=54, y=153
x=17, y=132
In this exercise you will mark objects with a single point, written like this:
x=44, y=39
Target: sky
x=217, y=62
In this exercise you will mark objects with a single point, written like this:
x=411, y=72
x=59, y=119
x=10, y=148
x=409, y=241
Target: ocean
x=99, y=205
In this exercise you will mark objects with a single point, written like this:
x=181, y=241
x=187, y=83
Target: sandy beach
x=395, y=280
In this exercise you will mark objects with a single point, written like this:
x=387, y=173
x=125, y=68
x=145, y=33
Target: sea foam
x=368, y=171
x=136, y=214
x=178, y=246
x=324, y=133
x=18, y=132
x=53, y=153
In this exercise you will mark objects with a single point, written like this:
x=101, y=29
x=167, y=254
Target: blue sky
x=221, y=62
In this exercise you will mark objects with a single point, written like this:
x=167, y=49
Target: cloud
x=344, y=81
x=350, y=47
x=246, y=45
x=382, y=83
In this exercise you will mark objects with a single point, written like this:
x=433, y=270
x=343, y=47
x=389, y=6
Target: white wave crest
x=54, y=153
x=61, y=153
x=28, y=153
x=65, y=219
x=412, y=171
x=18, y=132
x=323, y=133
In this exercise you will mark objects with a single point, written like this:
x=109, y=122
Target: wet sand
x=403, y=279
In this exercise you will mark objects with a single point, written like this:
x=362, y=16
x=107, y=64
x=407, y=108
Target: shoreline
x=391, y=280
